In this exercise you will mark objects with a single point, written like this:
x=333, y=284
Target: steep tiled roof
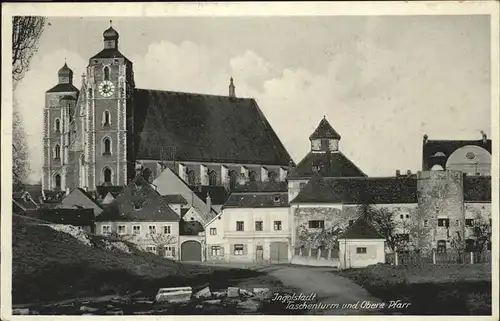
x=324, y=130
x=102, y=191
x=257, y=200
x=445, y=148
x=70, y=216
x=361, y=229
x=379, y=190
x=261, y=187
x=205, y=128
x=109, y=53
x=59, y=88
x=139, y=202
x=333, y=164
x=175, y=199
x=218, y=194
x=477, y=189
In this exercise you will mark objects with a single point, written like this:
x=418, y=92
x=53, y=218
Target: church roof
x=257, y=200
x=334, y=164
x=110, y=34
x=205, y=128
x=361, y=229
x=60, y=88
x=324, y=130
x=65, y=70
x=109, y=53
x=359, y=190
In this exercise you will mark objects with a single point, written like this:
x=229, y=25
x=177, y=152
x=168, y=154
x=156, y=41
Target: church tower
x=108, y=147
x=60, y=103
x=324, y=138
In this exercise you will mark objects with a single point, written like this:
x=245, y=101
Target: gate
x=191, y=251
x=259, y=254
x=279, y=252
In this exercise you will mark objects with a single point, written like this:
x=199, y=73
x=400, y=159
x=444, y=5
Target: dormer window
x=325, y=144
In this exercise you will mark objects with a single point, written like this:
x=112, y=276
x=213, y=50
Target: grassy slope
x=439, y=289
x=50, y=265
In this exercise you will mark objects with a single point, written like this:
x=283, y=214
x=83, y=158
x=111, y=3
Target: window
x=426, y=223
x=191, y=178
x=272, y=176
x=216, y=251
x=351, y=222
x=152, y=229
x=361, y=250
x=106, y=73
x=325, y=144
x=136, y=229
x=169, y=251
x=317, y=224
x=238, y=249
x=252, y=176
x=315, y=168
x=277, y=225
x=301, y=186
x=444, y=222
x=121, y=229
x=469, y=245
x=151, y=249
x=107, y=175
x=57, y=152
x=212, y=178
x=167, y=229
x=106, y=229
x=106, y=118
x=469, y=222
x=401, y=216
x=57, y=181
x=407, y=216
x=259, y=225
x=404, y=237
x=57, y=125
x=213, y=231
x=441, y=247
x=107, y=146
x=240, y=226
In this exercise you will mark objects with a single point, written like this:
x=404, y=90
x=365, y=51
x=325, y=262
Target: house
x=79, y=198
x=361, y=245
x=252, y=227
x=214, y=196
x=192, y=235
x=142, y=216
x=176, y=202
x=83, y=218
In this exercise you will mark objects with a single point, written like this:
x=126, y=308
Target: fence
x=432, y=257
x=317, y=253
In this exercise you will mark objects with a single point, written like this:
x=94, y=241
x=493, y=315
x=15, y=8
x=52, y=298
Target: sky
x=382, y=82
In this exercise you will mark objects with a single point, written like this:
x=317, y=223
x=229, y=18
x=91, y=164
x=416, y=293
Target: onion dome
x=65, y=71
x=110, y=34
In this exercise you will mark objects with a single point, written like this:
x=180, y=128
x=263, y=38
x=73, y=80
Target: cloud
x=381, y=92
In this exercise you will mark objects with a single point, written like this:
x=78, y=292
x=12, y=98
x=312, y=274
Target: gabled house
x=108, y=193
x=79, y=198
x=252, y=227
x=142, y=216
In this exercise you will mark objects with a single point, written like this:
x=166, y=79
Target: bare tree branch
x=20, y=166
x=26, y=32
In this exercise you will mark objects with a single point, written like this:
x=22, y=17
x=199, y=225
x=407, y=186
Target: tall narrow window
x=106, y=73
x=107, y=175
x=57, y=180
x=106, y=118
x=57, y=152
x=58, y=125
x=107, y=146
x=212, y=178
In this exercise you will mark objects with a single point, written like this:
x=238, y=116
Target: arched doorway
x=191, y=251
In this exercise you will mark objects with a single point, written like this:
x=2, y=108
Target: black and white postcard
x=250, y=159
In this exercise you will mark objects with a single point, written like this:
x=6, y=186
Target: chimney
x=209, y=201
x=425, y=138
x=67, y=191
x=138, y=169
x=232, y=93
x=485, y=138
x=398, y=173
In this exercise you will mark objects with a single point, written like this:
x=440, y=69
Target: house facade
x=253, y=227
x=142, y=216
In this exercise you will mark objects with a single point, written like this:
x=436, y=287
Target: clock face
x=106, y=88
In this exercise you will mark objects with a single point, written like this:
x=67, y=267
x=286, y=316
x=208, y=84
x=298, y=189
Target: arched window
x=441, y=247
x=107, y=146
x=57, y=152
x=106, y=118
x=212, y=178
x=106, y=73
x=57, y=181
x=57, y=125
x=233, y=179
x=273, y=176
x=252, y=176
x=107, y=175
x=191, y=177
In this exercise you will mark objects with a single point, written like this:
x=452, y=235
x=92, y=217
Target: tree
x=26, y=32
x=326, y=238
x=382, y=220
x=161, y=241
x=481, y=230
x=20, y=166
